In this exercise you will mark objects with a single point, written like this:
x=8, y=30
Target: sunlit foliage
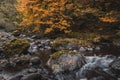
x=108, y=19
x=52, y=14
x=66, y=15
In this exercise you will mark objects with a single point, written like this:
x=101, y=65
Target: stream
x=103, y=63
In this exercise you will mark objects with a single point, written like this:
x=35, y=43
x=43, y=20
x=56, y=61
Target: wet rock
x=10, y=65
x=98, y=78
x=40, y=45
x=65, y=60
x=18, y=77
x=33, y=76
x=33, y=48
x=102, y=62
x=16, y=64
x=32, y=70
x=88, y=70
x=3, y=63
x=89, y=49
x=115, y=66
x=43, y=44
x=86, y=48
x=66, y=76
x=97, y=47
x=96, y=66
x=41, y=48
x=82, y=49
x=4, y=36
x=22, y=60
x=35, y=61
x=71, y=46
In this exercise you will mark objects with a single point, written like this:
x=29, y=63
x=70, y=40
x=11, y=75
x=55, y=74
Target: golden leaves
x=67, y=31
x=48, y=30
x=108, y=19
x=69, y=6
x=46, y=12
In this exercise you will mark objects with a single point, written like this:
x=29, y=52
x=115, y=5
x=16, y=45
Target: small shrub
x=15, y=46
x=64, y=41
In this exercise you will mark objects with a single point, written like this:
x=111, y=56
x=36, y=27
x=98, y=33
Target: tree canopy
x=67, y=15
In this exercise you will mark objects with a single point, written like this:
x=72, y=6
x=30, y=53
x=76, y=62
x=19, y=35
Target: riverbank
x=57, y=59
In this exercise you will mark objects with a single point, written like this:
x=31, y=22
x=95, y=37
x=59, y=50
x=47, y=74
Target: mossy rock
x=56, y=55
x=59, y=42
x=16, y=32
x=15, y=46
x=64, y=41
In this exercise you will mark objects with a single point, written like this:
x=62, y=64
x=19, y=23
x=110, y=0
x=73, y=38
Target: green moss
x=85, y=43
x=15, y=46
x=83, y=36
x=59, y=41
x=56, y=55
x=79, y=42
x=77, y=38
x=16, y=32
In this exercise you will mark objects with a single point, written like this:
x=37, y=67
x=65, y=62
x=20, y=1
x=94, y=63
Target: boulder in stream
x=65, y=60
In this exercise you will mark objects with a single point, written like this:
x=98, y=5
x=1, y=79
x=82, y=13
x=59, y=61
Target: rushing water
x=96, y=68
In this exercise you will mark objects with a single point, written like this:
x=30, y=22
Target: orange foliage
x=108, y=19
x=52, y=14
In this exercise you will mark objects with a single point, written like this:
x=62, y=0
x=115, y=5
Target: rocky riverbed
x=47, y=59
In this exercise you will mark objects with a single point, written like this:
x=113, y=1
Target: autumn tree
x=52, y=14
x=67, y=15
